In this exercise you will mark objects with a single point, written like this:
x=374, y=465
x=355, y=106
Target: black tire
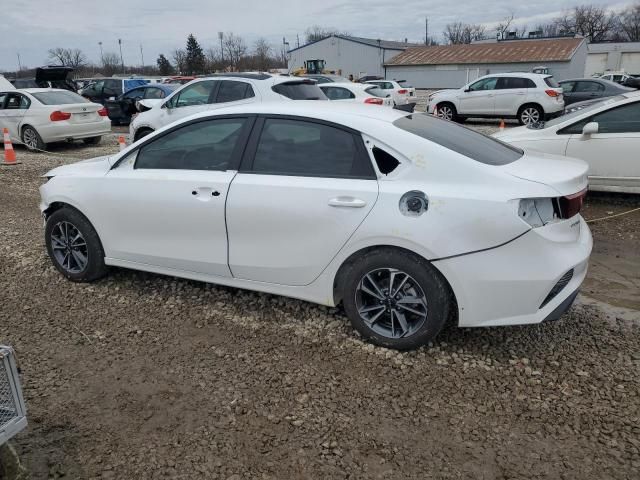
x=142, y=132
x=424, y=282
x=67, y=219
x=32, y=139
x=530, y=113
x=92, y=140
x=447, y=111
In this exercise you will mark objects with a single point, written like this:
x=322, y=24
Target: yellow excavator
x=311, y=67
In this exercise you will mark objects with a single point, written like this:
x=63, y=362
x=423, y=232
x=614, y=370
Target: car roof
x=519, y=74
x=41, y=90
x=359, y=86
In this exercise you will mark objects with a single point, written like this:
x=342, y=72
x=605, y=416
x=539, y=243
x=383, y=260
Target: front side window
x=484, y=84
x=232, y=91
x=623, y=119
x=200, y=93
x=153, y=93
x=113, y=87
x=301, y=148
x=338, y=93
x=207, y=145
x=588, y=87
x=136, y=93
x=567, y=87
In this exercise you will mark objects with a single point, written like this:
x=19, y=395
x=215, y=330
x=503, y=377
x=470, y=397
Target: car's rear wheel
x=32, y=139
x=530, y=114
x=74, y=246
x=446, y=111
x=92, y=140
x=396, y=299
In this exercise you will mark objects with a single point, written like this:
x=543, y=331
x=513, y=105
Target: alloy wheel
x=391, y=303
x=530, y=115
x=445, y=113
x=30, y=138
x=69, y=247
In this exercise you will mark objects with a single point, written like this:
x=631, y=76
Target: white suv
x=529, y=97
x=217, y=91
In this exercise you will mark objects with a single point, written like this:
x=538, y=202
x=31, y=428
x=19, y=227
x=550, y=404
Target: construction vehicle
x=311, y=67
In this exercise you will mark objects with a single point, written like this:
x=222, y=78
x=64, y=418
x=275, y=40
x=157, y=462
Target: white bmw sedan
x=406, y=219
x=38, y=116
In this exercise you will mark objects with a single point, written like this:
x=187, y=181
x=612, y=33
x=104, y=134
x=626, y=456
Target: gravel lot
x=142, y=376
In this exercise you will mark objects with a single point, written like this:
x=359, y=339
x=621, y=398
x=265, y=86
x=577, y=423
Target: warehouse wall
x=604, y=57
x=344, y=56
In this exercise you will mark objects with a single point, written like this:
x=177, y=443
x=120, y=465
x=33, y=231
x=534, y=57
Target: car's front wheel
x=396, y=299
x=530, y=115
x=74, y=246
x=32, y=139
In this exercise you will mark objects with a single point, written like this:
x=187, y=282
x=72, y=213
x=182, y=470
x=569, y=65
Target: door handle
x=350, y=202
x=521, y=93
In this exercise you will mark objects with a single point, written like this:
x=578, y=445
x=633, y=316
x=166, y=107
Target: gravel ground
x=143, y=376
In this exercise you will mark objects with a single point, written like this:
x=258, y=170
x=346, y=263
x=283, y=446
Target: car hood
x=94, y=166
x=516, y=133
x=565, y=175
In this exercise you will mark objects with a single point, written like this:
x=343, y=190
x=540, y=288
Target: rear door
x=479, y=98
x=303, y=189
x=510, y=94
x=13, y=107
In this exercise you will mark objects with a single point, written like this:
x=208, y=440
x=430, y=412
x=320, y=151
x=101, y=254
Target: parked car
x=110, y=88
x=406, y=219
x=528, y=97
x=217, y=91
x=581, y=89
x=38, y=116
x=51, y=76
x=366, y=78
x=399, y=94
x=617, y=77
x=124, y=107
x=357, y=93
x=327, y=78
x=632, y=82
x=605, y=134
x=410, y=89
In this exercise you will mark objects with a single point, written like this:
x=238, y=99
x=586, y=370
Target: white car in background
x=38, y=116
x=605, y=134
x=218, y=91
x=398, y=93
x=528, y=97
x=406, y=219
x=356, y=93
x=411, y=91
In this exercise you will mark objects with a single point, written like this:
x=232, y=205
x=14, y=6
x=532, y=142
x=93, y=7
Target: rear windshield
x=464, y=141
x=59, y=98
x=300, y=91
x=551, y=82
x=376, y=92
x=405, y=84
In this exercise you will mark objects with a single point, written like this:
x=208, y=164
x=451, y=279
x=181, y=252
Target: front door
x=15, y=107
x=302, y=191
x=164, y=204
x=479, y=97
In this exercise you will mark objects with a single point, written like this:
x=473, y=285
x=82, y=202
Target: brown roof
x=512, y=51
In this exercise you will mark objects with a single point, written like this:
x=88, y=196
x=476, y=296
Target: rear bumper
x=508, y=285
x=60, y=131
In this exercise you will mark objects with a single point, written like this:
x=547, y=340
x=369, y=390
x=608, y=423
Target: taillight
x=570, y=205
x=374, y=101
x=103, y=112
x=552, y=93
x=58, y=115
x=403, y=91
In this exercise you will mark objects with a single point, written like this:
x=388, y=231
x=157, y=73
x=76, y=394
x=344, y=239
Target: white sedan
x=37, y=116
x=406, y=219
x=356, y=93
x=605, y=134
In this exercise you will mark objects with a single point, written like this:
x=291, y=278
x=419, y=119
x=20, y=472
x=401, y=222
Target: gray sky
x=163, y=25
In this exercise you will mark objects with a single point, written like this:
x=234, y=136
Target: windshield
x=405, y=84
x=462, y=140
x=576, y=113
x=300, y=91
x=59, y=98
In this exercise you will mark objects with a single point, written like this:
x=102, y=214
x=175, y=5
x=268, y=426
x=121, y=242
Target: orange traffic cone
x=9, y=152
x=122, y=142
x=502, y=124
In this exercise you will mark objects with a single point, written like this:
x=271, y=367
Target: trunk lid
x=82, y=112
x=565, y=175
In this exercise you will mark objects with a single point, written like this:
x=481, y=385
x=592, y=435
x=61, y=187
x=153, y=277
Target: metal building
x=452, y=66
x=607, y=57
x=347, y=55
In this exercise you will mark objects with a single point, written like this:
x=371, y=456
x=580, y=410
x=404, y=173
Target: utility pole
x=297, y=40
x=121, y=59
x=426, y=30
x=101, y=54
x=19, y=63
x=142, y=56
x=221, y=36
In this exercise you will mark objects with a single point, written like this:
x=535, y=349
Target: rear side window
x=207, y=145
x=232, y=91
x=464, y=141
x=301, y=148
x=62, y=97
x=300, y=91
x=588, y=87
x=515, y=82
x=550, y=81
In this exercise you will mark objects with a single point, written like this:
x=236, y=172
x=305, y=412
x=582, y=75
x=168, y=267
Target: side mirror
x=590, y=128
x=467, y=90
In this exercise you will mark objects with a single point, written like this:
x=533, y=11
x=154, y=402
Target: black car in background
x=51, y=76
x=123, y=107
x=581, y=89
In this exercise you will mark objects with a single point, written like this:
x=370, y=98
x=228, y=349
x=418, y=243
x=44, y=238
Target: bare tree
x=234, y=49
x=262, y=51
x=316, y=32
x=180, y=60
x=629, y=23
x=590, y=21
x=69, y=57
x=110, y=63
x=503, y=27
x=459, y=33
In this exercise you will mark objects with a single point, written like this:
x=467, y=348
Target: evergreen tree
x=164, y=65
x=195, y=61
